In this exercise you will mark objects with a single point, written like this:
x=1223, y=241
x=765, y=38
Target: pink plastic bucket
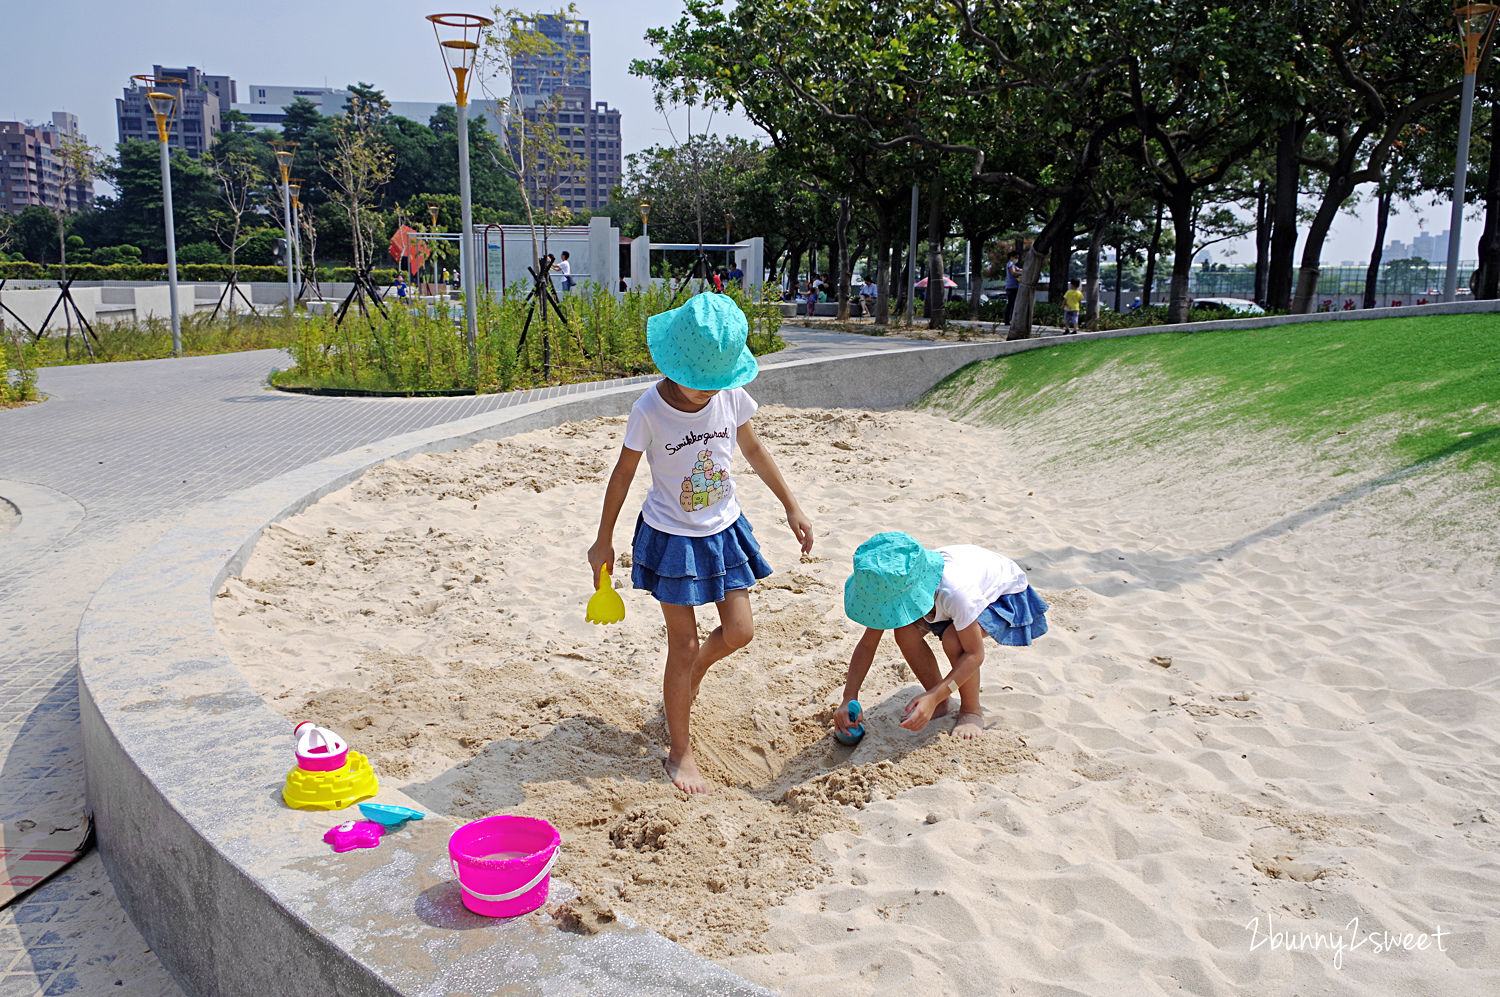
x=503, y=863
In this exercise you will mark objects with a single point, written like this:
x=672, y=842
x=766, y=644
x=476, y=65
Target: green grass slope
x=1414, y=392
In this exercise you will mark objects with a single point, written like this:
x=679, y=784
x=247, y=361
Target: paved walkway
x=99, y=471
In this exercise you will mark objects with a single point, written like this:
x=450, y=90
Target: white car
x=1243, y=306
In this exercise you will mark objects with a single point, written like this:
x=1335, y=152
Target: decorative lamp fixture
x=645, y=207
x=432, y=212
x=161, y=103
x=285, y=153
x=295, y=189
x=1476, y=22
x=458, y=40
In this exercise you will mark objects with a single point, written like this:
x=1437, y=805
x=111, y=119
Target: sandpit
x=1253, y=714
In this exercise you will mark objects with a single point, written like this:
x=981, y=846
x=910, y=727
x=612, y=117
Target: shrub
x=414, y=350
x=17, y=367
x=200, y=252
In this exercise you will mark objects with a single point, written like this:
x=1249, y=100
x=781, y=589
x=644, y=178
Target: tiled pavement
x=100, y=470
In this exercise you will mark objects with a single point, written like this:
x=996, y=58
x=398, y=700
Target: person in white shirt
x=959, y=593
x=564, y=266
x=868, y=292
x=693, y=546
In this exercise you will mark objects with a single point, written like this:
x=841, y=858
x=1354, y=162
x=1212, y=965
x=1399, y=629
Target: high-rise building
x=554, y=90
x=197, y=118
x=30, y=170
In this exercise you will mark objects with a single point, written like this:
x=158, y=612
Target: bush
x=210, y=272
x=200, y=252
x=411, y=350
x=17, y=367
x=111, y=255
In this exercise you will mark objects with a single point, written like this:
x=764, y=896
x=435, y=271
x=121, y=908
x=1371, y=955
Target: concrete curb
x=236, y=893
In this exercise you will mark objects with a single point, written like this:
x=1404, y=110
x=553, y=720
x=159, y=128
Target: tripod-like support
x=699, y=270
x=543, y=293
x=230, y=289
x=70, y=308
x=6, y=308
x=364, y=287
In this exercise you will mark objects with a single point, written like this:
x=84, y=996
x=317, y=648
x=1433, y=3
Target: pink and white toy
x=319, y=749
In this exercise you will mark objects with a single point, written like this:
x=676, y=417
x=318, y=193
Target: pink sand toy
x=354, y=834
x=319, y=749
x=503, y=863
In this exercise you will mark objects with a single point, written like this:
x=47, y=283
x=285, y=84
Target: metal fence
x=1404, y=282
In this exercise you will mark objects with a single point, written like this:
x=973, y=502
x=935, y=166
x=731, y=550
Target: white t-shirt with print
x=972, y=579
x=692, y=493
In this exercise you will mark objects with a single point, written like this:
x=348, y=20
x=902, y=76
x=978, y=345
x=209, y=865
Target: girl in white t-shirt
x=960, y=593
x=693, y=546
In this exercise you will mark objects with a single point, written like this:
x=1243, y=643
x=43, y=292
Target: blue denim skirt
x=695, y=571
x=1014, y=620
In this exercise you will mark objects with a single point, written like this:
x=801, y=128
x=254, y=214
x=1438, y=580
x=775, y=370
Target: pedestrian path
x=98, y=472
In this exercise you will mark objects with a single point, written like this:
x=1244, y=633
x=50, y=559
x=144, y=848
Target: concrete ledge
x=236, y=893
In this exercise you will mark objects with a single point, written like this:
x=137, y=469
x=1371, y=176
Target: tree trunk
x=1487, y=280
x=1148, y=282
x=844, y=259
x=883, y=275
x=1031, y=270
x=1182, y=255
x=1289, y=139
x=1340, y=187
x=898, y=261
x=1091, y=272
x=1372, y=274
x=62, y=248
x=937, y=294
x=1262, y=243
x=794, y=263
x=1062, y=252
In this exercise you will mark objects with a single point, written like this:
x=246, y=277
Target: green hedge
x=211, y=272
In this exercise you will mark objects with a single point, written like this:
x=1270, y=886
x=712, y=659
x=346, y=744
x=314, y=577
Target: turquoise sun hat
x=894, y=583
x=701, y=345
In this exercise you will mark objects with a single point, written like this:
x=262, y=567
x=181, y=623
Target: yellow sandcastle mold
x=331, y=790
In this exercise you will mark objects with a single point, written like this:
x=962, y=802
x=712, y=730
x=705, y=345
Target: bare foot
x=685, y=775
x=946, y=707
x=969, y=725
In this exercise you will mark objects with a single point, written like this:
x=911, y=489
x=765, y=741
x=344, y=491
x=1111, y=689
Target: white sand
x=1324, y=745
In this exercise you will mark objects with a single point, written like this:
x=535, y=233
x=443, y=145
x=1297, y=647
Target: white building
x=267, y=105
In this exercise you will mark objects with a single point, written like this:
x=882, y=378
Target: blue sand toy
x=856, y=729
x=388, y=815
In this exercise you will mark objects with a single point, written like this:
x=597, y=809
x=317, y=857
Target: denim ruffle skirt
x=1014, y=620
x=695, y=571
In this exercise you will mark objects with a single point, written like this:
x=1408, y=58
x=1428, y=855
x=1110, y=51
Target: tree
x=241, y=179
x=78, y=163
x=544, y=159
x=360, y=165
x=32, y=232
x=301, y=122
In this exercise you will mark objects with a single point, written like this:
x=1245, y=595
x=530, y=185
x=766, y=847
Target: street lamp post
x=728, y=253
x=645, y=207
x=285, y=153
x=296, y=192
x=432, y=212
x=459, y=50
x=162, y=104
x=1475, y=23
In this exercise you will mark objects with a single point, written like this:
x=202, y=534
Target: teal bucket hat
x=701, y=345
x=895, y=582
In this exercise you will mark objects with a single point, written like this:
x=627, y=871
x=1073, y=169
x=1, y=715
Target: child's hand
x=801, y=528
x=841, y=718
x=602, y=553
x=918, y=712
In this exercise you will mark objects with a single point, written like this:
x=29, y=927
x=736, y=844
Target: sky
x=86, y=51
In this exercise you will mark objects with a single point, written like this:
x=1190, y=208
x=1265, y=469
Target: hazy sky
x=77, y=55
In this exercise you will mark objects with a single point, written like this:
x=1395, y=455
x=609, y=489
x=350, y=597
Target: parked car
x=1242, y=306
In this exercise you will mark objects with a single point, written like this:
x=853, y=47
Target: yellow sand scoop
x=605, y=605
